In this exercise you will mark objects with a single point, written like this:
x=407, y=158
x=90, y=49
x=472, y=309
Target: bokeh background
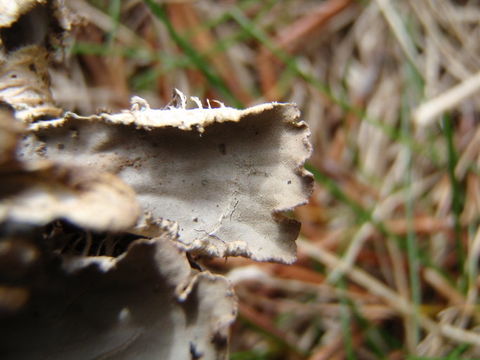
x=389, y=251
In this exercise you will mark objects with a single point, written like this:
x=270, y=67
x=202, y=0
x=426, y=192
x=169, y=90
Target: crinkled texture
x=46, y=192
x=147, y=304
x=26, y=28
x=38, y=192
x=25, y=84
x=224, y=175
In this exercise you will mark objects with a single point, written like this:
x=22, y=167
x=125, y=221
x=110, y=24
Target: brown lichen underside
x=39, y=192
x=122, y=309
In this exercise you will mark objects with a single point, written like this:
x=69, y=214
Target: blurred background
x=389, y=251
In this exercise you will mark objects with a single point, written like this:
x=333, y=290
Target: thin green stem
x=346, y=322
x=198, y=59
x=291, y=63
x=280, y=342
x=114, y=10
x=457, y=196
x=411, y=240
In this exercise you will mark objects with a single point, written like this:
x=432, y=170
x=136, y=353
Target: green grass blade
x=200, y=62
x=457, y=197
x=293, y=65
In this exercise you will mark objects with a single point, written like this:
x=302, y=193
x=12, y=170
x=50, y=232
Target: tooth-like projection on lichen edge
x=146, y=304
x=226, y=176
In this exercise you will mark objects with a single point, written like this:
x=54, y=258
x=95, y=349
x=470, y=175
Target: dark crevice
x=31, y=28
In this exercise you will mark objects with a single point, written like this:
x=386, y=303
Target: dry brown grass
x=387, y=263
